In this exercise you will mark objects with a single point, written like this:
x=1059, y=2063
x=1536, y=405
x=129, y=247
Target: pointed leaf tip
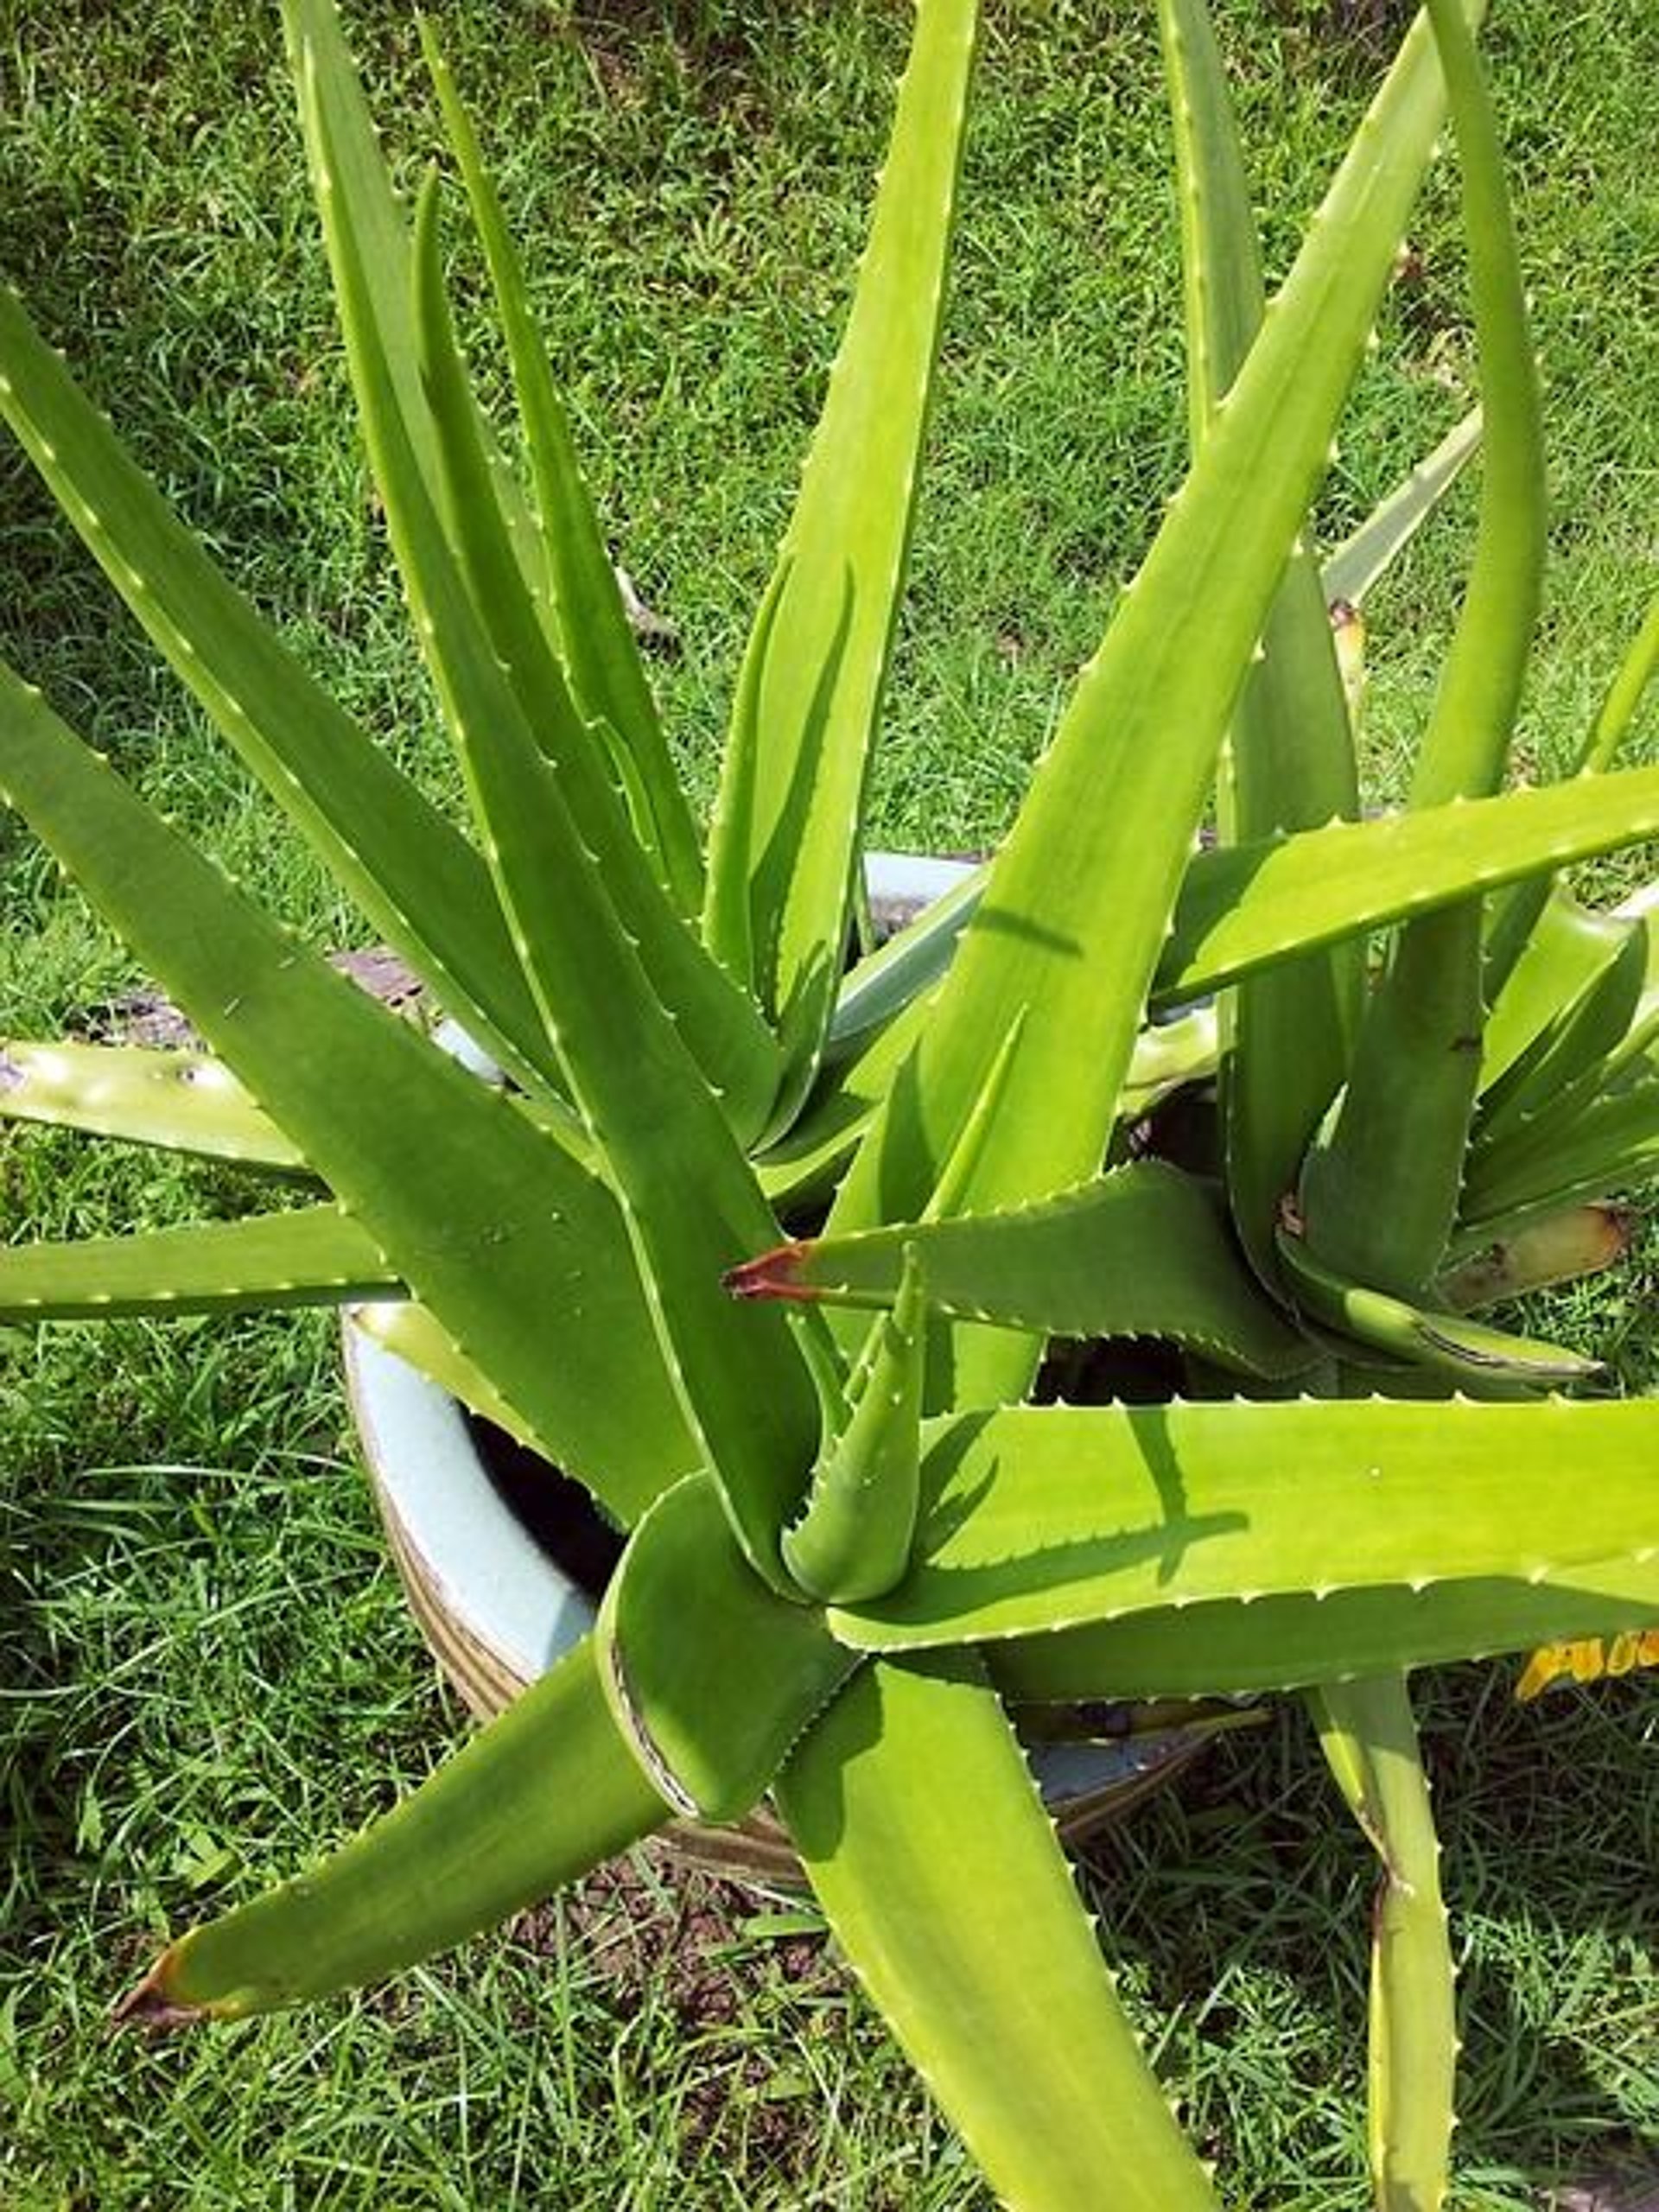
x=776, y=1273
x=150, y=2007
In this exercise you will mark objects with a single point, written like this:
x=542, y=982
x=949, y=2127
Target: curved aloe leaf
x=1143, y=1251
x=539, y=1796
x=607, y=672
x=721, y=1024
x=854, y=1538
x=1380, y=1193
x=1038, y=1518
x=1611, y=1145
x=1230, y=1648
x=1370, y=1740
x=1579, y=1241
x=970, y=1935
x=1076, y=911
x=446, y=1171
x=1571, y=1061
x=182, y=1102
x=1242, y=906
x=1476, y=1357
x=315, y=1256
x=711, y=1676
x=782, y=852
x=415, y=878
x=1568, y=951
x=1288, y=763
x=1349, y=572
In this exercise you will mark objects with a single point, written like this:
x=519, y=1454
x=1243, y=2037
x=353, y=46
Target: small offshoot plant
x=767, y=1242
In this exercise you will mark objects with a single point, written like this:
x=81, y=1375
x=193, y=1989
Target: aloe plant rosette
x=800, y=1234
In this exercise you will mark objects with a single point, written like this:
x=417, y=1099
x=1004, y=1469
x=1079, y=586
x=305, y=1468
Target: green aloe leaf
x=180, y=1101
x=1288, y=763
x=721, y=1024
x=712, y=1676
x=539, y=1796
x=1477, y=1358
x=606, y=671
x=854, y=1535
x=968, y=1933
x=1567, y=953
x=1242, y=906
x=1230, y=1648
x=1611, y=1144
x=1035, y=1519
x=445, y=1171
x=415, y=878
x=420, y=1340
x=783, y=853
x=1143, y=1251
x=1575, y=1055
x=1379, y=1193
x=1350, y=572
x=1370, y=1740
x=1076, y=912
x=1579, y=1241
x=317, y=1256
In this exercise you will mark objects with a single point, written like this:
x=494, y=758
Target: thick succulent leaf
x=897, y=974
x=496, y=675
x=1035, y=1519
x=414, y=877
x=1360, y=560
x=180, y=1101
x=1625, y=695
x=712, y=1676
x=968, y=1933
x=317, y=1256
x=1475, y=1358
x=1142, y=1251
x=1244, y=905
x=1232, y=1649
x=1380, y=1192
x=1076, y=912
x=721, y=1024
x=782, y=853
x=854, y=1537
x=606, y=669
x=1288, y=762
x=1370, y=1740
x=1576, y=1054
x=1579, y=1241
x=547, y=1791
x=1612, y=1145
x=420, y=1340
x=444, y=1171
x=1568, y=951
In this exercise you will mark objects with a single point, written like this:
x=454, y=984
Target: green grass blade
x=1369, y=1739
x=1244, y=905
x=1288, y=763
x=1035, y=1519
x=970, y=1935
x=1077, y=909
x=542, y=1795
x=1380, y=1193
x=721, y=1024
x=417, y=879
x=1143, y=1251
x=607, y=672
x=443, y=1169
x=1358, y=563
x=784, y=845
x=178, y=1101
x=1229, y=1649
x=316, y=1256
x=854, y=1536
x=711, y=1675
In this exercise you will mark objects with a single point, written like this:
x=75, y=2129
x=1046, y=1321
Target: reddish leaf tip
x=150, y=2006
x=773, y=1274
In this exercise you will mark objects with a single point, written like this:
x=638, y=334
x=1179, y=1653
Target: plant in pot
x=768, y=1252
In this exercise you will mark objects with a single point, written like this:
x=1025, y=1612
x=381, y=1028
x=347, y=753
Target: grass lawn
x=204, y=1673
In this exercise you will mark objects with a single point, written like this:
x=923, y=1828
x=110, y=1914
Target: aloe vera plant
x=767, y=1247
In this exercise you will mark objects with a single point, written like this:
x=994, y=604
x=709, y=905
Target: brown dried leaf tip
x=150, y=2007
x=774, y=1275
